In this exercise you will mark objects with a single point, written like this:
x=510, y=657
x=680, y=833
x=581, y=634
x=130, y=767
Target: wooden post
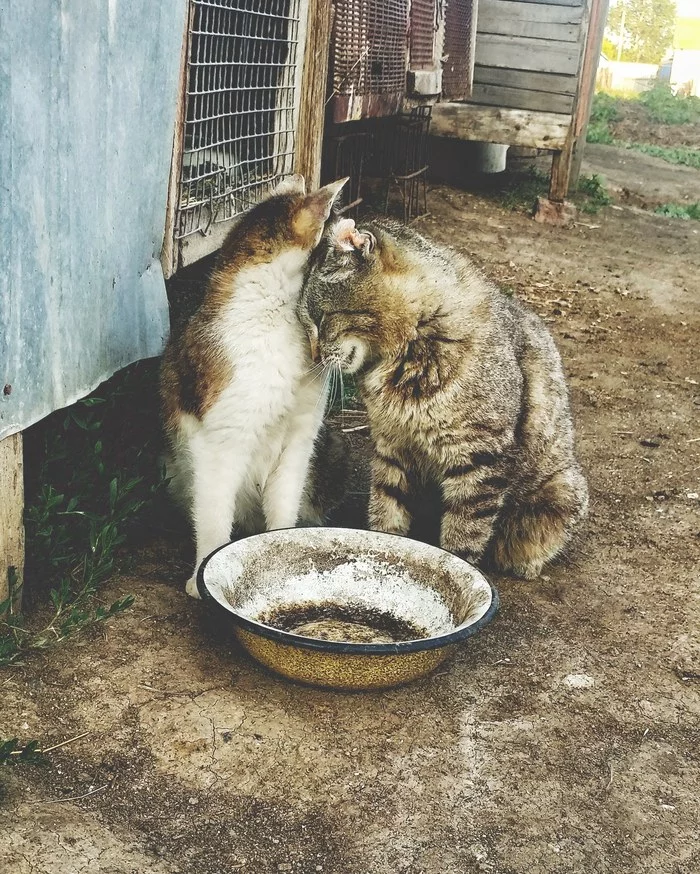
x=561, y=171
x=312, y=104
x=169, y=256
x=594, y=43
x=11, y=519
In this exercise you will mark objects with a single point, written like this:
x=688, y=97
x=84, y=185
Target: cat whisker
x=317, y=367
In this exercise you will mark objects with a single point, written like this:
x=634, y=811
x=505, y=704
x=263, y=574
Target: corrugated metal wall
x=88, y=94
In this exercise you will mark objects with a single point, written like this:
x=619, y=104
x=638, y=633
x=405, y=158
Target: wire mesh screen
x=424, y=24
x=368, y=57
x=239, y=126
x=460, y=32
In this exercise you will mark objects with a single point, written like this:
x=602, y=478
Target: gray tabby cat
x=463, y=386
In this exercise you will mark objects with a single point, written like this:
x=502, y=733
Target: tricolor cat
x=242, y=402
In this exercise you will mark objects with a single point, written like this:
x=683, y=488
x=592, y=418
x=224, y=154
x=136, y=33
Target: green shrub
x=593, y=193
x=673, y=154
x=663, y=106
x=684, y=211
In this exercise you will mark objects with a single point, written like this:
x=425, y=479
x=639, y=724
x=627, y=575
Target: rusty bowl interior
x=346, y=608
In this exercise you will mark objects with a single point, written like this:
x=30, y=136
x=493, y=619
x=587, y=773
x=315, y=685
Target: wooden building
x=532, y=81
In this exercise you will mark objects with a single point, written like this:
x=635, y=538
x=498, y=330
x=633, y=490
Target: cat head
x=354, y=307
x=286, y=220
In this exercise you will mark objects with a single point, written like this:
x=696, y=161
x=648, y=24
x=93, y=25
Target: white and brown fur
x=463, y=387
x=242, y=403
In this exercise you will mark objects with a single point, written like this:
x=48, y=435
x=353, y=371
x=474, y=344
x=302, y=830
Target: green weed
x=522, y=190
x=663, y=106
x=680, y=210
x=604, y=111
x=12, y=752
x=80, y=508
x=673, y=154
x=591, y=194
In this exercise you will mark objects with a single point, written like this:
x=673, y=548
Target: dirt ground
x=565, y=737
x=635, y=126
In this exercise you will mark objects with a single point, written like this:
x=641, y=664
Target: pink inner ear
x=347, y=237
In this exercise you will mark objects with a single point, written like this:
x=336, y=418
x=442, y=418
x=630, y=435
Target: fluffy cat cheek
x=353, y=354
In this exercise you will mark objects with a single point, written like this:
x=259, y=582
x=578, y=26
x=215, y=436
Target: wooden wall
x=528, y=53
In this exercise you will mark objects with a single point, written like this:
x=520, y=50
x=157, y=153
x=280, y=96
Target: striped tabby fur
x=463, y=386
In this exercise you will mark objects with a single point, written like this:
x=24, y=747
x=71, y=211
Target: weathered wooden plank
x=512, y=19
x=557, y=2
x=521, y=98
x=11, y=515
x=552, y=83
x=539, y=11
x=522, y=53
x=169, y=252
x=313, y=93
x=533, y=29
x=516, y=127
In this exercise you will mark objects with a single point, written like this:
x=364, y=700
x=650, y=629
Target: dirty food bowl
x=347, y=609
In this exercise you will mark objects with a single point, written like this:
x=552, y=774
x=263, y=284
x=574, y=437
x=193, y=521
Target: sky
x=688, y=8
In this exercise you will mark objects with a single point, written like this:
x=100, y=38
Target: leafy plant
x=12, y=752
x=592, y=193
x=663, y=106
x=673, y=154
x=680, y=210
x=81, y=508
x=523, y=189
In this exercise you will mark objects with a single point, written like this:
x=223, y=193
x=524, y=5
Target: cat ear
x=319, y=203
x=346, y=237
x=294, y=184
x=315, y=211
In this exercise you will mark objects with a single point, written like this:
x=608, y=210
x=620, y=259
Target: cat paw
x=191, y=587
x=529, y=571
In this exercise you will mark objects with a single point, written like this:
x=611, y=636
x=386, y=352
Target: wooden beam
x=490, y=124
x=11, y=518
x=561, y=172
x=594, y=43
x=313, y=92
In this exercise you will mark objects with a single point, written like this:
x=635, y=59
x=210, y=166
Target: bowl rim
x=346, y=647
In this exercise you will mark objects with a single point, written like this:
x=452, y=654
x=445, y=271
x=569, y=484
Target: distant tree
x=645, y=28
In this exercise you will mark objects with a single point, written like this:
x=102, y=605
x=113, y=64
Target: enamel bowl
x=344, y=608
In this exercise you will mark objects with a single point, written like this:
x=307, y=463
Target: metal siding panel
x=87, y=107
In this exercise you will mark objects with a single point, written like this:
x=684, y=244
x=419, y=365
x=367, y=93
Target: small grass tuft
x=685, y=155
x=591, y=194
x=522, y=189
x=685, y=211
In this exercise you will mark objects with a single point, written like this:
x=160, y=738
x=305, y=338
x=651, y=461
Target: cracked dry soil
x=506, y=761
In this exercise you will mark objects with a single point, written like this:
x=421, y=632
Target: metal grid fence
x=424, y=24
x=460, y=32
x=368, y=56
x=239, y=133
